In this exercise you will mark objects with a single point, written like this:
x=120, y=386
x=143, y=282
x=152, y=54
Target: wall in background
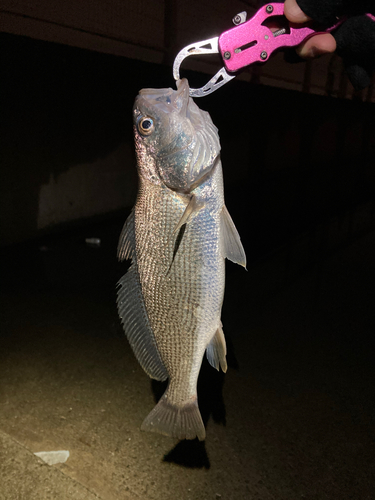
x=291, y=160
x=155, y=30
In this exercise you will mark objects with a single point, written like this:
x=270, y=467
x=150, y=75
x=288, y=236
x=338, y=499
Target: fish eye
x=146, y=125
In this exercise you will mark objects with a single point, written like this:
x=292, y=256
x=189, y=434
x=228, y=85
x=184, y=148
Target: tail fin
x=179, y=422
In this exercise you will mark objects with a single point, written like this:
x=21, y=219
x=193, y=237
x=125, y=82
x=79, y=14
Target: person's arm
x=315, y=46
x=354, y=40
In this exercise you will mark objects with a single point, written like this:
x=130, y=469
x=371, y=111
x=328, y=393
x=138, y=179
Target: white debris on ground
x=93, y=242
x=53, y=457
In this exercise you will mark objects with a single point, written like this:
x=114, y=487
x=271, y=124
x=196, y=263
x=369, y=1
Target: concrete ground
x=293, y=418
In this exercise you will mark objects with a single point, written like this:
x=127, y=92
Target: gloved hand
x=354, y=40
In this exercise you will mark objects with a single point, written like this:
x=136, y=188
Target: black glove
x=355, y=38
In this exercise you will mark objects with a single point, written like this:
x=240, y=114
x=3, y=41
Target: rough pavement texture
x=23, y=475
x=297, y=400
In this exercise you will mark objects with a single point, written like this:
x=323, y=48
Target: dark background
x=298, y=398
x=291, y=160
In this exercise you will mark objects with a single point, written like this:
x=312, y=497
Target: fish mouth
x=168, y=100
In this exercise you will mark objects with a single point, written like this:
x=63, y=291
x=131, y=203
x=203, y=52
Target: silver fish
x=178, y=236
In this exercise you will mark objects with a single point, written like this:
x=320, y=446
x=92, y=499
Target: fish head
x=176, y=142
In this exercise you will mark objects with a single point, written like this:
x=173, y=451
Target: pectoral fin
x=231, y=246
x=190, y=212
x=177, y=243
x=216, y=350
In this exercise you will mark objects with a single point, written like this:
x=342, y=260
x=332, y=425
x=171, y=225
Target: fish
x=177, y=236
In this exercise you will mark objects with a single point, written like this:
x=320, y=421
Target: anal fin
x=216, y=350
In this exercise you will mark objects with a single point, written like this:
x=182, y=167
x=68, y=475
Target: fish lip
x=152, y=92
x=182, y=86
x=181, y=96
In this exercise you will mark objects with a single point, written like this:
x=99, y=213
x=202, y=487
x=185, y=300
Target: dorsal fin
x=137, y=327
x=126, y=243
x=231, y=246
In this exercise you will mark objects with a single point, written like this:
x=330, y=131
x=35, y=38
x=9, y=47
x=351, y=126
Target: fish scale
x=177, y=236
x=188, y=286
